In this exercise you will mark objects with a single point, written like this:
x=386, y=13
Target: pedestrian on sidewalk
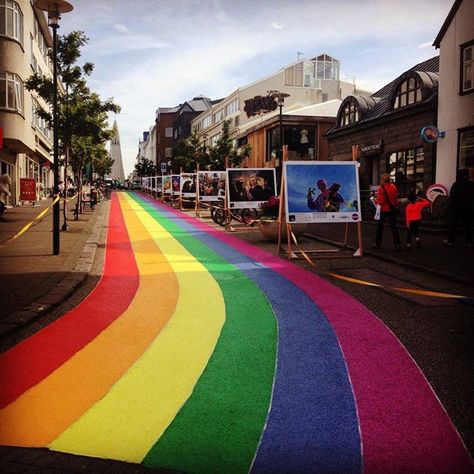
x=413, y=210
x=5, y=183
x=387, y=198
x=461, y=207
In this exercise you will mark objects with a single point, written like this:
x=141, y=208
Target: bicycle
x=246, y=216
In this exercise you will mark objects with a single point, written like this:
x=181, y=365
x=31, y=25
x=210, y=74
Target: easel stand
x=293, y=250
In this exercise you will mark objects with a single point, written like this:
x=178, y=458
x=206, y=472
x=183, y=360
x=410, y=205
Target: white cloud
x=276, y=26
x=121, y=28
x=428, y=44
x=148, y=57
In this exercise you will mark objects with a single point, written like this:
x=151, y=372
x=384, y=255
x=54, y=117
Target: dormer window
x=408, y=92
x=349, y=114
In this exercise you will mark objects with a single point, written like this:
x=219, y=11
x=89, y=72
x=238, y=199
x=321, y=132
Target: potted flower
x=269, y=224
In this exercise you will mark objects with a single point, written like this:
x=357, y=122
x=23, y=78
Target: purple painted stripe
x=404, y=427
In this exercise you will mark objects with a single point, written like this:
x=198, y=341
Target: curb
x=57, y=295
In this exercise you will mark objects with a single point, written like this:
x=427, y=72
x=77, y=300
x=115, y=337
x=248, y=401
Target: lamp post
x=280, y=98
x=54, y=9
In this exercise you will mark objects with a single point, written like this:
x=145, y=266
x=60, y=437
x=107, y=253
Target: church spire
x=116, y=154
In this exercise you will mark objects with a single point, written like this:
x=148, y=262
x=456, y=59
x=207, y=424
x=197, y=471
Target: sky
x=160, y=53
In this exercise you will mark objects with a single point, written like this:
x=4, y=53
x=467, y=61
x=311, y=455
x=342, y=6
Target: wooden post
x=356, y=153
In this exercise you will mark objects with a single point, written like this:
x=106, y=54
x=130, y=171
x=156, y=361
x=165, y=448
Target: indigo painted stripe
x=404, y=427
x=312, y=425
x=219, y=427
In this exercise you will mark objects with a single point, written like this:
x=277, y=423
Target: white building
x=456, y=92
x=307, y=82
x=27, y=141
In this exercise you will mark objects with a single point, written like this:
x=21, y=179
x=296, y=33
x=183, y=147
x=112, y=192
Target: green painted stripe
x=219, y=428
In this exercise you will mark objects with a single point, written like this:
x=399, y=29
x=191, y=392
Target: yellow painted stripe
x=436, y=294
x=134, y=414
x=353, y=280
x=42, y=413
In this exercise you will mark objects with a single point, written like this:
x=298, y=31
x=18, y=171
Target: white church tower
x=116, y=154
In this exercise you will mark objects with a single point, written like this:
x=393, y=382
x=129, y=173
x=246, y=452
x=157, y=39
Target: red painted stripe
x=404, y=426
x=32, y=360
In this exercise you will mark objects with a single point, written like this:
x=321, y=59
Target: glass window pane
x=2, y=20
x=10, y=22
x=466, y=149
x=10, y=95
x=411, y=97
x=403, y=87
x=3, y=92
x=468, y=54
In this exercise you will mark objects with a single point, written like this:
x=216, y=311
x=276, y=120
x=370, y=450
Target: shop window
x=11, y=20
x=466, y=148
x=301, y=141
x=406, y=169
x=409, y=92
x=467, y=68
x=349, y=114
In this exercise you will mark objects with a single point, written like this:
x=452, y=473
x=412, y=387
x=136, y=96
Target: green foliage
x=145, y=167
x=187, y=153
x=82, y=115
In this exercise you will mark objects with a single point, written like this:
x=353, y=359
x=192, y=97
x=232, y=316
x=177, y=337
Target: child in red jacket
x=413, y=217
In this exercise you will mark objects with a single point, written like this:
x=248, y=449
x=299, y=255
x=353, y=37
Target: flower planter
x=269, y=229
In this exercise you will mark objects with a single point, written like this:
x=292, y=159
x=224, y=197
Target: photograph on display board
x=211, y=185
x=322, y=191
x=167, y=184
x=188, y=184
x=249, y=187
x=175, y=184
x=159, y=184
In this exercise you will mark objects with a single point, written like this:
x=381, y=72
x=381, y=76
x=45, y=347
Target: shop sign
x=373, y=149
x=27, y=189
x=260, y=104
x=435, y=190
x=163, y=167
x=430, y=134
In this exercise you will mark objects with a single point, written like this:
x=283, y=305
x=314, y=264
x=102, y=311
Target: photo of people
x=248, y=187
x=211, y=185
x=322, y=191
x=167, y=185
x=175, y=184
x=188, y=184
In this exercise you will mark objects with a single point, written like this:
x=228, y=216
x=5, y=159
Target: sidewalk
x=32, y=279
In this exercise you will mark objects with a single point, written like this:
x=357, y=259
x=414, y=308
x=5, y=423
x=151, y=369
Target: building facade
x=27, y=140
x=386, y=127
x=456, y=92
x=307, y=82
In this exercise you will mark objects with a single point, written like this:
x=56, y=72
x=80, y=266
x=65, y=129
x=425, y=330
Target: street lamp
x=280, y=98
x=54, y=9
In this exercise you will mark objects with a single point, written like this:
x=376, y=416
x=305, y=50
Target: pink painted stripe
x=32, y=360
x=404, y=427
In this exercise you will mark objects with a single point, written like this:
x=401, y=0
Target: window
x=232, y=107
x=407, y=169
x=467, y=69
x=409, y=92
x=40, y=123
x=168, y=152
x=350, y=113
x=214, y=139
x=301, y=141
x=466, y=148
x=11, y=92
x=207, y=122
x=11, y=20
x=169, y=132
x=218, y=116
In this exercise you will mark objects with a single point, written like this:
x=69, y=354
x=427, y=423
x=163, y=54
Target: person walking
x=413, y=217
x=387, y=198
x=461, y=207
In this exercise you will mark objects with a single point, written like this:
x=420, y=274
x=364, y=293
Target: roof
x=447, y=22
x=323, y=109
x=379, y=103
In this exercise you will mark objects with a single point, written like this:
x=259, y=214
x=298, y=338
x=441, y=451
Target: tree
x=82, y=115
x=188, y=153
x=145, y=167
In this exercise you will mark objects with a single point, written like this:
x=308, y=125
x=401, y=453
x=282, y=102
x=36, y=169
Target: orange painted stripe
x=42, y=413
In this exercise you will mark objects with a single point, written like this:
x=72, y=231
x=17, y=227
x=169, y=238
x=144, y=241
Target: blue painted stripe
x=312, y=425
